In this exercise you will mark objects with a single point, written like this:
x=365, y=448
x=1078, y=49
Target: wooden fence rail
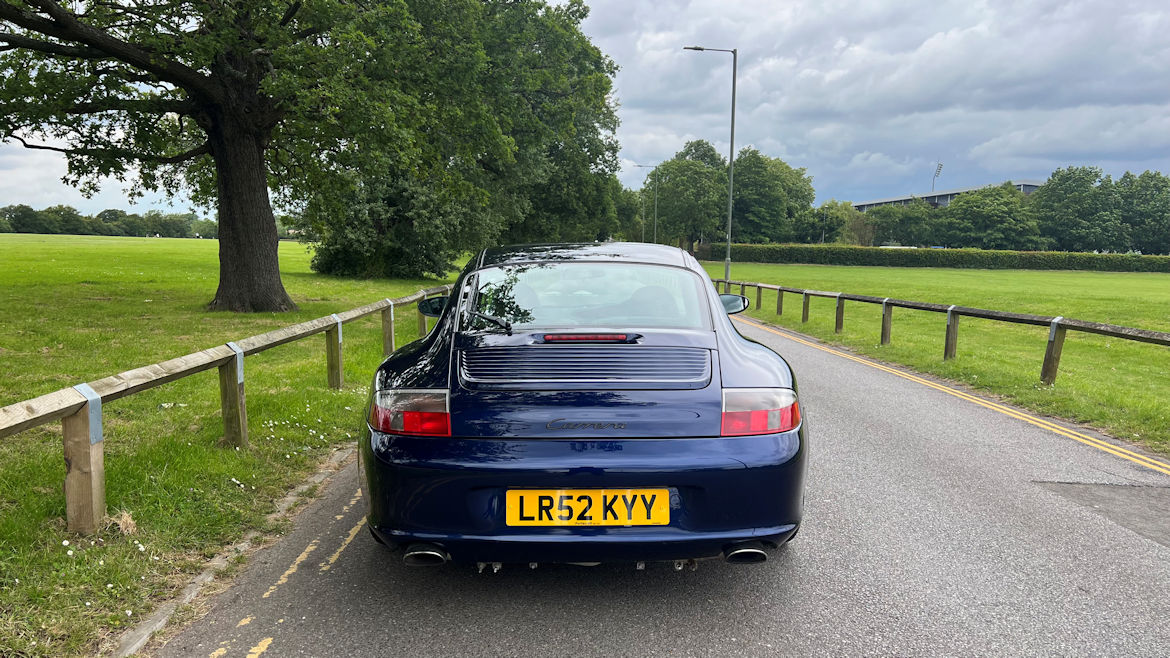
x=80, y=407
x=1058, y=326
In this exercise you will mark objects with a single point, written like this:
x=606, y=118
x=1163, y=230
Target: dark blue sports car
x=584, y=403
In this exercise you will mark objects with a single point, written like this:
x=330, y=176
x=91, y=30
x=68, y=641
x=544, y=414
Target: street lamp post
x=642, y=216
x=655, y=174
x=730, y=160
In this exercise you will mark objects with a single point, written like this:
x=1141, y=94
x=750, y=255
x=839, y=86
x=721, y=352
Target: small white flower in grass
x=109, y=585
x=348, y=409
x=101, y=563
x=154, y=557
x=128, y=613
x=87, y=604
x=69, y=552
x=64, y=542
x=141, y=548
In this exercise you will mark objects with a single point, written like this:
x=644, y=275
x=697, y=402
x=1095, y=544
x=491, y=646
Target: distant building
x=944, y=197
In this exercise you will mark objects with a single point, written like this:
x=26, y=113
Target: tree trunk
x=249, y=269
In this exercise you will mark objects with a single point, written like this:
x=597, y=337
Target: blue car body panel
x=450, y=490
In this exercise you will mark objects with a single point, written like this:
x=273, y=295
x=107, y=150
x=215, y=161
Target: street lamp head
x=693, y=48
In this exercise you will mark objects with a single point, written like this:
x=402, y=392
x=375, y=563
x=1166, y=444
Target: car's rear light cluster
x=759, y=411
x=419, y=412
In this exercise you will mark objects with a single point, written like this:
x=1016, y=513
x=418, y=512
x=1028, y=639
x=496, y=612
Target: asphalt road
x=935, y=525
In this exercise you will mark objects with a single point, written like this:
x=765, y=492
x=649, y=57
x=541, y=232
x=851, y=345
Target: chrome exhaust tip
x=425, y=555
x=749, y=552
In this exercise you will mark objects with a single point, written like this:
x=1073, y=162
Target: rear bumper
x=451, y=491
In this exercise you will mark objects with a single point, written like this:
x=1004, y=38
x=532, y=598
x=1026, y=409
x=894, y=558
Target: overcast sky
x=865, y=95
x=868, y=95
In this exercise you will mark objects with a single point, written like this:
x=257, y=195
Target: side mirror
x=432, y=307
x=734, y=303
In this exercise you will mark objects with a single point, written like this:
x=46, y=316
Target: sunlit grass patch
x=76, y=309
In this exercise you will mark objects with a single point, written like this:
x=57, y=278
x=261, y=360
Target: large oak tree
x=224, y=98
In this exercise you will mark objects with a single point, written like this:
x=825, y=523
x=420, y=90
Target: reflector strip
x=95, y=412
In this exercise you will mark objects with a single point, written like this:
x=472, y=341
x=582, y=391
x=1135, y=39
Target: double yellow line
x=1148, y=462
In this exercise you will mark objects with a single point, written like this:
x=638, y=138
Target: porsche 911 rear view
x=584, y=403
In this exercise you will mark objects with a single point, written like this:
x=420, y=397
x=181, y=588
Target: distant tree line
x=67, y=220
x=771, y=202
x=1079, y=209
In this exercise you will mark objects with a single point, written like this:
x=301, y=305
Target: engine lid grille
x=580, y=366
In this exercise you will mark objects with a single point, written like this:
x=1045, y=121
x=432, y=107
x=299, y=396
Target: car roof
x=636, y=252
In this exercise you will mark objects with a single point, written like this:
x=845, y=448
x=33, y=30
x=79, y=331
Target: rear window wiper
x=499, y=322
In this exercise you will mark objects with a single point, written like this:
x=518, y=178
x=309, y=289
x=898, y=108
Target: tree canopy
x=769, y=198
x=431, y=126
x=1077, y=209
x=518, y=145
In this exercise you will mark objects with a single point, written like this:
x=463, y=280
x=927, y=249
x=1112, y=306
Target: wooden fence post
x=952, y=340
x=742, y=288
x=85, y=469
x=233, y=407
x=1052, y=353
x=333, y=354
x=779, y=302
x=759, y=297
x=388, y=329
x=840, y=324
x=887, y=320
x=804, y=311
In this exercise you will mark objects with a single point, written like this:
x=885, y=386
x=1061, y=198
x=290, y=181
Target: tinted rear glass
x=618, y=295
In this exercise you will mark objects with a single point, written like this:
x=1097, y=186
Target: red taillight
x=420, y=412
x=587, y=338
x=759, y=411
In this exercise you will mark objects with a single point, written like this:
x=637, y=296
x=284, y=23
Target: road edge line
x=133, y=640
x=1102, y=445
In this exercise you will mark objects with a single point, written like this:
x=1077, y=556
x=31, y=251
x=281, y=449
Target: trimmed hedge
x=960, y=258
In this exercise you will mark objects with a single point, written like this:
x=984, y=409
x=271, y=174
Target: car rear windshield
x=588, y=294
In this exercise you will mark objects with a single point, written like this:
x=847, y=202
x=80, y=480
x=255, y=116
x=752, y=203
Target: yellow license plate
x=585, y=507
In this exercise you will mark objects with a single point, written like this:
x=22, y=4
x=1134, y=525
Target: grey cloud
x=867, y=95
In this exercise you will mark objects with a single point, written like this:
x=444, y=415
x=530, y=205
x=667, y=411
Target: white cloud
x=868, y=95
x=33, y=178
x=865, y=95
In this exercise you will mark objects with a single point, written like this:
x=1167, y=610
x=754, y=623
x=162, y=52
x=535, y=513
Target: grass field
x=1119, y=386
x=75, y=309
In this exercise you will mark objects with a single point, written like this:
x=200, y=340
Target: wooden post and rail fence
x=1058, y=326
x=80, y=407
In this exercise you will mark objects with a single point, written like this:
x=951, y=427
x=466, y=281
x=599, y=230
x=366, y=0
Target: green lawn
x=75, y=309
x=1119, y=386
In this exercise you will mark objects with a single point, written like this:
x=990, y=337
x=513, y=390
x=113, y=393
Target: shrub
x=986, y=259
